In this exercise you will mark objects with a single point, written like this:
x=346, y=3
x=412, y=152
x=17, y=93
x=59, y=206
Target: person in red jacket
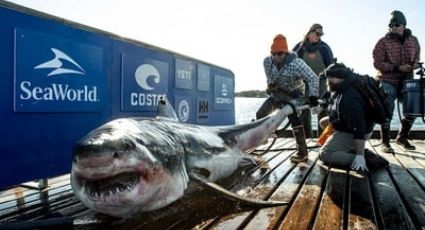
x=395, y=57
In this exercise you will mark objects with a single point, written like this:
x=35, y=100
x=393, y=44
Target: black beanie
x=397, y=17
x=338, y=70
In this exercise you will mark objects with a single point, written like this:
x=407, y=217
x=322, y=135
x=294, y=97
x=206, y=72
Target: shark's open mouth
x=110, y=186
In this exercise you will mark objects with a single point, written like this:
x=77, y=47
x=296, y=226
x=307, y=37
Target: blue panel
x=184, y=74
x=144, y=80
x=61, y=80
x=203, y=77
x=223, y=93
x=54, y=74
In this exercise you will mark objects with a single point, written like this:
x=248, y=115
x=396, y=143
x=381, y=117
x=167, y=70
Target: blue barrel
x=413, y=96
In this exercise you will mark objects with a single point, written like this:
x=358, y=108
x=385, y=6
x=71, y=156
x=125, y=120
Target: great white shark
x=133, y=165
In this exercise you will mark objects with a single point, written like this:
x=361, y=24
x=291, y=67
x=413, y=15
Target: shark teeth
x=100, y=188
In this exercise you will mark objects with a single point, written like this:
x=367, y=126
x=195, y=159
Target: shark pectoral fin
x=244, y=200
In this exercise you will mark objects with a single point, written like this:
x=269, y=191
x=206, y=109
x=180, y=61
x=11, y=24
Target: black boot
x=302, y=153
x=374, y=160
x=385, y=135
x=402, y=137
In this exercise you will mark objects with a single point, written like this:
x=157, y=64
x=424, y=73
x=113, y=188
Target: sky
x=237, y=34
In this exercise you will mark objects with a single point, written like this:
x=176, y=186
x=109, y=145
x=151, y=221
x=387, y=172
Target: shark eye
x=128, y=145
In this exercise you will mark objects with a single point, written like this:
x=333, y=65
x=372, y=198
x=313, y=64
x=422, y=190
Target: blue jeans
x=393, y=93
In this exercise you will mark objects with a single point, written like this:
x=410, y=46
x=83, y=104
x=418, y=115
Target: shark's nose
x=94, y=161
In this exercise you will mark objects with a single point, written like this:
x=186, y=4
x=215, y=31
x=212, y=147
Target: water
x=246, y=108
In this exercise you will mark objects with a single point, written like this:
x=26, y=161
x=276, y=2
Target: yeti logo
x=143, y=72
x=57, y=64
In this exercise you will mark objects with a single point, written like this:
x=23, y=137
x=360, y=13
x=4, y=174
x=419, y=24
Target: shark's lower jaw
x=109, y=188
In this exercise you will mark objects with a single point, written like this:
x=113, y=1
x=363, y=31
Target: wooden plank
x=254, y=175
x=361, y=210
x=262, y=190
x=253, y=178
x=419, y=154
x=41, y=210
x=268, y=218
x=18, y=192
x=42, y=198
x=411, y=193
x=302, y=211
x=390, y=207
x=330, y=215
x=412, y=166
x=394, y=198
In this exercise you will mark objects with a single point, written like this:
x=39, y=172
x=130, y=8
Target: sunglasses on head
x=277, y=54
x=394, y=25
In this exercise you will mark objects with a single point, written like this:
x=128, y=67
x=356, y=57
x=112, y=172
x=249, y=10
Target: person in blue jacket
x=318, y=55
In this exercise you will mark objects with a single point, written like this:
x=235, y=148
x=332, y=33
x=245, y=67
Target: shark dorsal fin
x=165, y=109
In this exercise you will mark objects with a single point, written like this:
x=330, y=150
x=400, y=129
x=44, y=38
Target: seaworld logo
x=57, y=91
x=57, y=65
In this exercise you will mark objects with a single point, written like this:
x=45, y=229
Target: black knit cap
x=397, y=17
x=338, y=70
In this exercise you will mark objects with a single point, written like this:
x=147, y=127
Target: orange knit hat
x=279, y=44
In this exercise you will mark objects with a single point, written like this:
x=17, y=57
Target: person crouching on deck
x=285, y=73
x=348, y=116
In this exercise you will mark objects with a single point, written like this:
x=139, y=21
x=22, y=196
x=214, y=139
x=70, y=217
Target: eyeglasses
x=394, y=25
x=278, y=54
x=319, y=34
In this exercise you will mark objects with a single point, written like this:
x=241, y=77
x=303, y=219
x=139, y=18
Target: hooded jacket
x=347, y=113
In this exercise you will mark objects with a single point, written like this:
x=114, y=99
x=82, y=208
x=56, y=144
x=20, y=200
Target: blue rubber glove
x=359, y=163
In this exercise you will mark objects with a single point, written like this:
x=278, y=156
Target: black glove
x=312, y=101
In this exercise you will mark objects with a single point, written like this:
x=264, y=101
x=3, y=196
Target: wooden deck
x=319, y=198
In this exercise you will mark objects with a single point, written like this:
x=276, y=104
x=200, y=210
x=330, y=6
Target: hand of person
x=313, y=101
x=406, y=68
x=359, y=163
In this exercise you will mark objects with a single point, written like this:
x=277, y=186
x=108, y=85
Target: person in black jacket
x=348, y=116
x=318, y=56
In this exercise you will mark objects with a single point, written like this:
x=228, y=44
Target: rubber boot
x=402, y=137
x=385, y=135
x=302, y=153
x=306, y=122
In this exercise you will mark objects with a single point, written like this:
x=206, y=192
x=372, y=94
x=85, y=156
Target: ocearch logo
x=142, y=74
x=58, y=91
